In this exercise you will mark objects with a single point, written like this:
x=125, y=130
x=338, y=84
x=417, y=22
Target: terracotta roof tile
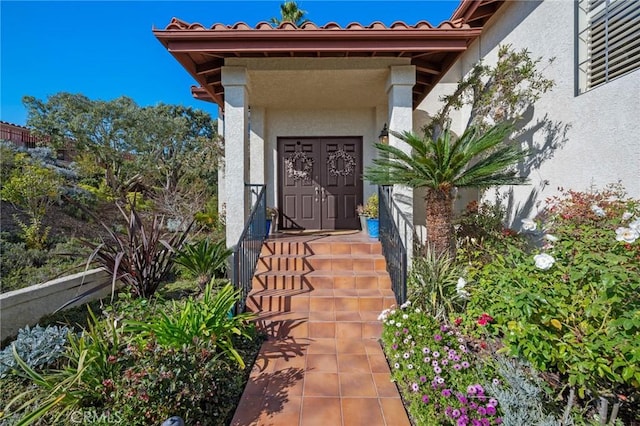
x=180, y=25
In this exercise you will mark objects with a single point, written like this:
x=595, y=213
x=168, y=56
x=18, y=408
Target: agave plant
x=204, y=260
x=142, y=256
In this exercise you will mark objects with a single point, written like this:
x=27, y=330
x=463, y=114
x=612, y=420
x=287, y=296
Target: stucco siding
x=588, y=139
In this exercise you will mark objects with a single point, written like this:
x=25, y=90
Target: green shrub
x=574, y=307
x=22, y=267
x=207, y=321
x=90, y=361
x=160, y=382
x=204, y=260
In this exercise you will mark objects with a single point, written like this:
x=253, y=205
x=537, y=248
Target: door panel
x=320, y=182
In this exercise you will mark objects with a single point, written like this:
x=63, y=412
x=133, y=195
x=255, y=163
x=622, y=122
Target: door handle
x=317, y=193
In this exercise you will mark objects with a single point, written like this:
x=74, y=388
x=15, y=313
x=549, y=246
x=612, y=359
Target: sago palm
x=477, y=159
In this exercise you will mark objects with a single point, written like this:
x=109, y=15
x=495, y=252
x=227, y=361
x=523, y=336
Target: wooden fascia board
x=237, y=42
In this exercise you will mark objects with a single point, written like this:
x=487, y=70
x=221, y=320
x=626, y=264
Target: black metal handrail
x=394, y=243
x=247, y=251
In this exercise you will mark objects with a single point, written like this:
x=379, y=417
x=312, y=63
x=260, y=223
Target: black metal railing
x=396, y=232
x=247, y=251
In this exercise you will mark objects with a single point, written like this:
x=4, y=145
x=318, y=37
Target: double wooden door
x=320, y=182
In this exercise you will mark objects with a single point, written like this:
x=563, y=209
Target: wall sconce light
x=384, y=135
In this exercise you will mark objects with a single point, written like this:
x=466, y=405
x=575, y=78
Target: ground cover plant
x=109, y=372
x=546, y=319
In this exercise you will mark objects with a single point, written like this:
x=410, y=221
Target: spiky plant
x=204, y=260
x=477, y=159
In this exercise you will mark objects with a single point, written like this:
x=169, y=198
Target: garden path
x=318, y=298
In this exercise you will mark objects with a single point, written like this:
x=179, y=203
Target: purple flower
x=455, y=413
x=482, y=411
x=444, y=361
x=485, y=421
x=423, y=379
x=443, y=327
x=473, y=405
x=426, y=350
x=434, y=363
x=456, y=358
x=415, y=387
x=457, y=367
x=475, y=422
x=498, y=421
x=437, y=337
x=493, y=402
x=462, y=421
x=405, y=330
x=471, y=390
x=437, y=370
x=425, y=398
x=427, y=359
x=496, y=382
x=464, y=364
x=463, y=399
x=446, y=392
x=479, y=390
x=436, y=354
x=395, y=346
x=491, y=410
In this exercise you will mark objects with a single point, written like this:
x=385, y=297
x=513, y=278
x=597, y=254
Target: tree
x=477, y=159
x=102, y=128
x=290, y=12
x=178, y=151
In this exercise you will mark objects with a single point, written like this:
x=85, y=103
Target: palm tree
x=477, y=159
x=290, y=13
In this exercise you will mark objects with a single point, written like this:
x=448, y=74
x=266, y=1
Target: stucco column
x=256, y=146
x=400, y=98
x=236, y=138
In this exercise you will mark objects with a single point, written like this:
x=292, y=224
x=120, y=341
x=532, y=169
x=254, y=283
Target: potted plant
x=272, y=214
x=362, y=216
x=371, y=212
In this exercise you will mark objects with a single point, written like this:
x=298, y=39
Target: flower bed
x=559, y=301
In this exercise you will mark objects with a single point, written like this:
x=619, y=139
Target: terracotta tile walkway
x=318, y=297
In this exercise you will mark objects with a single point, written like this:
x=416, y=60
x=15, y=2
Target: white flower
x=635, y=225
x=391, y=322
x=405, y=316
x=398, y=325
x=544, y=261
x=551, y=238
x=528, y=225
x=406, y=304
x=418, y=310
x=626, y=216
x=598, y=211
x=461, y=283
x=628, y=235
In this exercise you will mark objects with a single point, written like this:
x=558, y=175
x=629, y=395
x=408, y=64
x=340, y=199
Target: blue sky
x=105, y=49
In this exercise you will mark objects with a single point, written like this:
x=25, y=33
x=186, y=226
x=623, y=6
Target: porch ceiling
x=203, y=51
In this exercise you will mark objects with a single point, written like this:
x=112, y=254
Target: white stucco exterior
x=268, y=98
x=591, y=138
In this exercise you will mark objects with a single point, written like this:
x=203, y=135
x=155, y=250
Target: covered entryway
x=320, y=181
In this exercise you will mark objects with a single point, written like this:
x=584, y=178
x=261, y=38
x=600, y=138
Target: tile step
x=294, y=280
x=323, y=262
x=274, y=247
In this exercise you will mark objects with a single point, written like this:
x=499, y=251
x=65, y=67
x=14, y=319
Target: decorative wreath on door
x=307, y=166
x=348, y=160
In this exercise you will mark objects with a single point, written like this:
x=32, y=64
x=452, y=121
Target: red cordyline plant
x=142, y=256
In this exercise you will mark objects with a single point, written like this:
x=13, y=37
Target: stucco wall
x=592, y=138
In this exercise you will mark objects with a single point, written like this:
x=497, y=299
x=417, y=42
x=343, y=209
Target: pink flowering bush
x=435, y=370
